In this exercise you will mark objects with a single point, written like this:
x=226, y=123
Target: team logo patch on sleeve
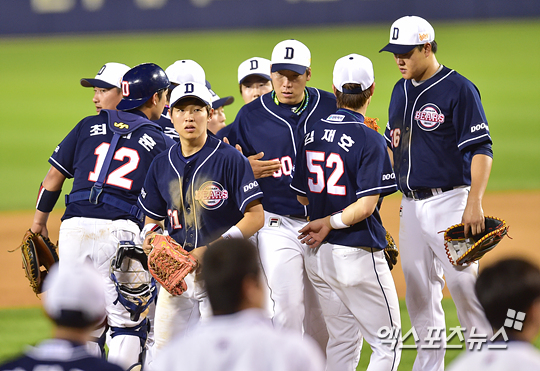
x=429, y=117
x=211, y=195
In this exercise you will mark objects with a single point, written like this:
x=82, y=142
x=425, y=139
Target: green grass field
x=41, y=99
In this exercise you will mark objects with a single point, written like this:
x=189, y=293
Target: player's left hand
x=315, y=232
x=473, y=218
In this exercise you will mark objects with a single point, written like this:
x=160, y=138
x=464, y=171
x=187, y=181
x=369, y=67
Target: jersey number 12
x=118, y=176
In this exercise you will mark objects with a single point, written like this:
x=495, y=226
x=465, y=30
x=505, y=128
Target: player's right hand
x=263, y=169
x=315, y=232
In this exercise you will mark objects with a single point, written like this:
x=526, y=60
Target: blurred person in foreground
x=239, y=336
x=509, y=292
x=74, y=301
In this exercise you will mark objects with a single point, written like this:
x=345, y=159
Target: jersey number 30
x=317, y=184
x=116, y=177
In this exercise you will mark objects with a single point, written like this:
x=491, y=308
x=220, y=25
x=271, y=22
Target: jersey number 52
x=315, y=162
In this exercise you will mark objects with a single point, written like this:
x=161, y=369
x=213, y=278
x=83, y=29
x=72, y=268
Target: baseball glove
x=390, y=251
x=38, y=255
x=463, y=251
x=169, y=263
x=371, y=123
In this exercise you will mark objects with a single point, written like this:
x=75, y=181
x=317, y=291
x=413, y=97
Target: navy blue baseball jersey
x=82, y=153
x=264, y=126
x=166, y=124
x=59, y=355
x=432, y=127
x=203, y=195
x=340, y=161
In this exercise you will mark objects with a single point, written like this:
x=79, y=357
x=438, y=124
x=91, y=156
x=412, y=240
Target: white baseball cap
x=220, y=102
x=291, y=55
x=185, y=70
x=353, y=69
x=193, y=90
x=408, y=32
x=254, y=66
x=109, y=76
x=75, y=295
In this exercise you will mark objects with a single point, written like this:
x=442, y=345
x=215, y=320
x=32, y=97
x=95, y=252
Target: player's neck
x=362, y=110
x=431, y=69
x=192, y=145
x=75, y=335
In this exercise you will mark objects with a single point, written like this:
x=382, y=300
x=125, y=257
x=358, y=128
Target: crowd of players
x=281, y=207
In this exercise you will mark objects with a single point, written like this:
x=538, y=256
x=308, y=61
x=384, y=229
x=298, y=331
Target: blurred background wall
x=30, y=17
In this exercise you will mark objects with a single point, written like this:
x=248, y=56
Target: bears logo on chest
x=429, y=117
x=211, y=195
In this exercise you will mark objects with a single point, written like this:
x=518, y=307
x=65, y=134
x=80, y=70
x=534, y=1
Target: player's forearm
x=253, y=219
x=360, y=210
x=480, y=171
x=54, y=180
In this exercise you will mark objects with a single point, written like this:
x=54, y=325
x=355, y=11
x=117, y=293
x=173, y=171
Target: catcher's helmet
x=140, y=83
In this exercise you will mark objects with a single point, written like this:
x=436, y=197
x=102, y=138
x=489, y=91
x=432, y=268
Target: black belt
x=299, y=216
x=425, y=193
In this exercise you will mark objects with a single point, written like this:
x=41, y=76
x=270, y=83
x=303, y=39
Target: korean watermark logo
x=439, y=337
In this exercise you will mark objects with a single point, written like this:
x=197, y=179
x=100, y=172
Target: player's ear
x=372, y=88
x=210, y=113
x=308, y=72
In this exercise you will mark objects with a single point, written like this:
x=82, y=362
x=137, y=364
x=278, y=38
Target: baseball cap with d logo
x=191, y=90
x=408, y=32
x=291, y=55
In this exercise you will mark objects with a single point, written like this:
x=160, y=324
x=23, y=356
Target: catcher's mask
x=135, y=285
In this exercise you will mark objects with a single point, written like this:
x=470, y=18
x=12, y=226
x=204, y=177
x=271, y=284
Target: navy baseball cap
x=408, y=32
x=220, y=102
x=291, y=55
x=108, y=77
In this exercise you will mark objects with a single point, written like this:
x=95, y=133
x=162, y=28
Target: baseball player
x=75, y=303
x=206, y=191
x=106, y=84
x=509, y=292
x=341, y=170
x=439, y=139
x=272, y=126
x=218, y=117
x=184, y=70
x=254, y=78
x=239, y=337
x=108, y=156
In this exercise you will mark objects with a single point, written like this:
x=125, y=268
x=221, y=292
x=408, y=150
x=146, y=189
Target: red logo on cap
x=125, y=88
x=423, y=36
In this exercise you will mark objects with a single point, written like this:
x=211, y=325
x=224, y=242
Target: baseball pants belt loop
x=425, y=193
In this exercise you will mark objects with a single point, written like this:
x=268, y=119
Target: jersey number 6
x=332, y=161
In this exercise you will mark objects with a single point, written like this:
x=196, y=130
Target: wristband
x=46, y=199
x=150, y=227
x=336, y=222
x=233, y=232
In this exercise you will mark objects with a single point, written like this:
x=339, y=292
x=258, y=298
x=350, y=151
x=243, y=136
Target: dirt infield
x=518, y=209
